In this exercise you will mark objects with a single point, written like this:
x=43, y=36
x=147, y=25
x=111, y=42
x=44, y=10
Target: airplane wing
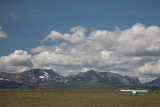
x=127, y=90
x=135, y=90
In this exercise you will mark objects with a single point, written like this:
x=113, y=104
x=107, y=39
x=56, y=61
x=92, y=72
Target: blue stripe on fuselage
x=135, y=93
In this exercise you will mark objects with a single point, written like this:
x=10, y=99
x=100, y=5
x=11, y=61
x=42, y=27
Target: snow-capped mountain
x=31, y=77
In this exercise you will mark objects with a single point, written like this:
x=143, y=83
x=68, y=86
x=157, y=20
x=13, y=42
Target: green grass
x=78, y=85
x=76, y=98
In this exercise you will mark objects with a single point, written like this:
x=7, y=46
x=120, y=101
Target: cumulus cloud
x=135, y=41
x=73, y=58
x=17, y=61
x=150, y=68
x=77, y=35
x=3, y=34
x=140, y=41
x=134, y=52
x=123, y=51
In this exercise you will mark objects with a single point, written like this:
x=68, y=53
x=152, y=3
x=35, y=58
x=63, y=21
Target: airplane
x=134, y=92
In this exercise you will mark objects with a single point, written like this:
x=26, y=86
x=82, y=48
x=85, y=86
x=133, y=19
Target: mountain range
x=39, y=78
x=102, y=77
x=28, y=78
x=154, y=82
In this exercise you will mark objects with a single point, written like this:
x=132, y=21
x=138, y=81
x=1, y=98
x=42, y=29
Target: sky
x=72, y=36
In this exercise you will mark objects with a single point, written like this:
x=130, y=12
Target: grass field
x=76, y=98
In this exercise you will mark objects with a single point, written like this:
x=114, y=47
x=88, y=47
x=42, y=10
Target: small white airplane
x=134, y=92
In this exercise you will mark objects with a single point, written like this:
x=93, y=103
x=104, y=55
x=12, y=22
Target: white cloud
x=135, y=41
x=121, y=51
x=15, y=62
x=3, y=34
x=140, y=41
x=134, y=52
x=148, y=71
x=149, y=68
x=75, y=59
x=77, y=35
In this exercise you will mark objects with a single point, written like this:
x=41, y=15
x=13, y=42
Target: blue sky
x=35, y=19
x=26, y=23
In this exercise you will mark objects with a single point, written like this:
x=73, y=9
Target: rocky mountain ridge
x=102, y=77
x=154, y=82
x=40, y=77
x=31, y=77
